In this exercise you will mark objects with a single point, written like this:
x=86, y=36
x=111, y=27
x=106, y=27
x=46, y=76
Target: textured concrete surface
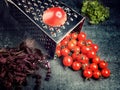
x=106, y=35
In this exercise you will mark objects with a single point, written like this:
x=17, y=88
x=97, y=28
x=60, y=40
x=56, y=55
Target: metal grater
x=33, y=10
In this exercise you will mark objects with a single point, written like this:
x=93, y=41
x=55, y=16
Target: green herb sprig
x=95, y=11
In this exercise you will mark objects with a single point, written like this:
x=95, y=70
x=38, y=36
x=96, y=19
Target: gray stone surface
x=106, y=35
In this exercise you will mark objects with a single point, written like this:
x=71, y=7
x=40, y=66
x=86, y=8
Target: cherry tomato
x=96, y=59
x=76, y=49
x=68, y=36
x=74, y=55
x=93, y=66
x=64, y=42
x=74, y=41
x=79, y=57
x=86, y=58
x=81, y=43
x=105, y=72
x=67, y=61
x=87, y=73
x=85, y=65
x=103, y=64
x=88, y=42
x=71, y=45
x=82, y=58
x=81, y=36
x=65, y=52
x=85, y=49
x=91, y=54
x=96, y=74
x=95, y=47
x=74, y=35
x=58, y=52
x=76, y=66
x=59, y=45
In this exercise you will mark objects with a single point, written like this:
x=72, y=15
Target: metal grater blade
x=29, y=14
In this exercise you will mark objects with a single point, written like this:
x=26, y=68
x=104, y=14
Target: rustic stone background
x=106, y=35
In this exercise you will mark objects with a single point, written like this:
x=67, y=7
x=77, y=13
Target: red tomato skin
x=95, y=47
x=81, y=36
x=74, y=35
x=81, y=43
x=103, y=64
x=76, y=49
x=68, y=36
x=91, y=54
x=58, y=52
x=96, y=74
x=65, y=52
x=88, y=42
x=85, y=65
x=93, y=66
x=82, y=58
x=105, y=72
x=67, y=61
x=87, y=73
x=64, y=42
x=76, y=66
x=75, y=55
x=96, y=60
x=85, y=49
x=74, y=41
x=54, y=16
x=71, y=45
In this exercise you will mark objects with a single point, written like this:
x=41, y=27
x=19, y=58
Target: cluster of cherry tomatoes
x=80, y=53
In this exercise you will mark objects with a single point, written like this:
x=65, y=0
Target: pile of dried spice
x=16, y=64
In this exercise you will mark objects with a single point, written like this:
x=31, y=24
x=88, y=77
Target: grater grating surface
x=34, y=9
x=29, y=14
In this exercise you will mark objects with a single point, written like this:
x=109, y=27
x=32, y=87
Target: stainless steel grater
x=30, y=13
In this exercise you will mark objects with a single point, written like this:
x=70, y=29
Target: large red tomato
x=54, y=16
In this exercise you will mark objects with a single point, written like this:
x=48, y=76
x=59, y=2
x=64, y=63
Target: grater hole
x=50, y=0
x=19, y=3
x=27, y=10
x=45, y=26
x=31, y=8
x=36, y=18
x=71, y=19
x=53, y=34
x=67, y=23
x=63, y=27
x=34, y=14
x=51, y=29
x=75, y=15
x=52, y=5
x=42, y=7
x=69, y=14
x=33, y=0
x=38, y=1
x=56, y=3
x=46, y=4
x=29, y=3
x=58, y=30
x=23, y=1
x=67, y=9
x=25, y=6
x=38, y=11
x=35, y=5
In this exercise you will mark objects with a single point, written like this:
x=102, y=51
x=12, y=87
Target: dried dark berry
x=20, y=62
